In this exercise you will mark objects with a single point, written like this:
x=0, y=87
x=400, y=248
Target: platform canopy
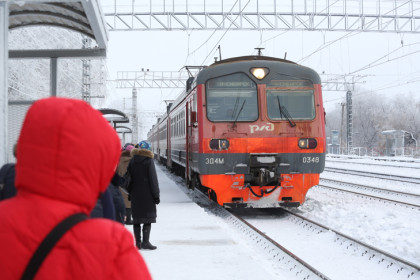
x=114, y=116
x=83, y=16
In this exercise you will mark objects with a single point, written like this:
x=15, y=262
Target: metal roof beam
x=57, y=53
x=340, y=15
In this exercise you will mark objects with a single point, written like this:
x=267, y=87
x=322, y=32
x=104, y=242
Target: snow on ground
x=394, y=229
x=394, y=166
x=193, y=244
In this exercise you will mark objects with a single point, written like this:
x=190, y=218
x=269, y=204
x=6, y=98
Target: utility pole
x=349, y=121
x=134, y=120
x=341, y=126
x=86, y=96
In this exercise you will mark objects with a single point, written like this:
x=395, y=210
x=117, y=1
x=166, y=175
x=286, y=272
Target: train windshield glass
x=298, y=104
x=232, y=98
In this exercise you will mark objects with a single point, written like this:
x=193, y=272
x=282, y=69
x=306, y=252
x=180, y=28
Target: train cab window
x=232, y=98
x=299, y=104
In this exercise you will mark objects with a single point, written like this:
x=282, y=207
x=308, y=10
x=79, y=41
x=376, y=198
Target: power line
x=371, y=65
x=213, y=49
x=350, y=33
x=211, y=35
x=375, y=90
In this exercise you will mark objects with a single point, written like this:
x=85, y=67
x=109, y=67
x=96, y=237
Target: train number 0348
x=310, y=160
x=215, y=161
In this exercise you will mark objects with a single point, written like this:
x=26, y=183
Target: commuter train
x=249, y=131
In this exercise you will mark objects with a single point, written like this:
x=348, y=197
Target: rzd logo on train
x=268, y=127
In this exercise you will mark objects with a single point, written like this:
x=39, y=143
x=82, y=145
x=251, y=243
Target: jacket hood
x=125, y=154
x=142, y=152
x=67, y=151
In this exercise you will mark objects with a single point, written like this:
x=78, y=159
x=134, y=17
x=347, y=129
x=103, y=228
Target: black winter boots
x=137, y=235
x=146, y=234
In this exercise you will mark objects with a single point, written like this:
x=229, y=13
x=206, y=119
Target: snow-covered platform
x=194, y=244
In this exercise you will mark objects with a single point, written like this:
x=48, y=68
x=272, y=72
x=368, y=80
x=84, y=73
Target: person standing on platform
x=60, y=175
x=117, y=197
x=105, y=207
x=122, y=169
x=144, y=191
x=7, y=179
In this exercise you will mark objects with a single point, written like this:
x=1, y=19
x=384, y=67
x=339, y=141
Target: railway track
x=298, y=267
x=404, y=198
x=379, y=159
x=379, y=261
x=404, y=179
x=285, y=260
x=318, y=264
x=376, y=164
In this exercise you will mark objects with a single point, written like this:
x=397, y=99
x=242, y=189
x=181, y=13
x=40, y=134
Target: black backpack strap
x=49, y=242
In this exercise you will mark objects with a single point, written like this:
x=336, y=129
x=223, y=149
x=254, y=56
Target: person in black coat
x=117, y=197
x=104, y=207
x=144, y=192
x=7, y=179
x=110, y=204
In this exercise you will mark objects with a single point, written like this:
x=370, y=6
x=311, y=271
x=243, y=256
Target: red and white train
x=250, y=131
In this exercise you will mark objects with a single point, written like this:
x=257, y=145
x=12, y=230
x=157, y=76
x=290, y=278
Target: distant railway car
x=250, y=131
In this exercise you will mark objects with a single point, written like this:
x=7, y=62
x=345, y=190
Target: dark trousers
x=128, y=219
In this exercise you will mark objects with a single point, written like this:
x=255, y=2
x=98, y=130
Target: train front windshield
x=298, y=104
x=232, y=98
x=290, y=98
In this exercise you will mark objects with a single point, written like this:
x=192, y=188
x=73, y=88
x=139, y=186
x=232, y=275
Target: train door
x=188, y=139
x=168, y=142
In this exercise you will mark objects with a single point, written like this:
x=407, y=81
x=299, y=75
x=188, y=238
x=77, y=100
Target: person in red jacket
x=59, y=173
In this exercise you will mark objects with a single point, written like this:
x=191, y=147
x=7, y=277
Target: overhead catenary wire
x=211, y=35
x=377, y=63
x=358, y=32
x=215, y=47
x=389, y=86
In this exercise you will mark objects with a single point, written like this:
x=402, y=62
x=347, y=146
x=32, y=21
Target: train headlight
x=307, y=143
x=219, y=144
x=259, y=73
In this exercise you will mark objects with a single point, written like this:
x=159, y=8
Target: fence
x=376, y=152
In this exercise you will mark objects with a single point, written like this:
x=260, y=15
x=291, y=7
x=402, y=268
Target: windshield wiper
x=235, y=107
x=240, y=110
x=285, y=113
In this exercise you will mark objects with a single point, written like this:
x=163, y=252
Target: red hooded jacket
x=66, y=156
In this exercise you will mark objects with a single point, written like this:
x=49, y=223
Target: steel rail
x=372, y=188
x=203, y=201
x=372, y=196
x=374, y=164
x=389, y=255
x=374, y=175
x=315, y=271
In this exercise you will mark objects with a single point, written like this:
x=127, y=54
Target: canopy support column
x=4, y=29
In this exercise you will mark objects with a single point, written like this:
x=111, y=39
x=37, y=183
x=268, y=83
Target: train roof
x=244, y=63
x=252, y=57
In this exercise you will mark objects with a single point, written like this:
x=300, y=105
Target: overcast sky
x=387, y=62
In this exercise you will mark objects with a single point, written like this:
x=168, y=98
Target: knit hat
x=127, y=144
x=145, y=145
x=129, y=148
